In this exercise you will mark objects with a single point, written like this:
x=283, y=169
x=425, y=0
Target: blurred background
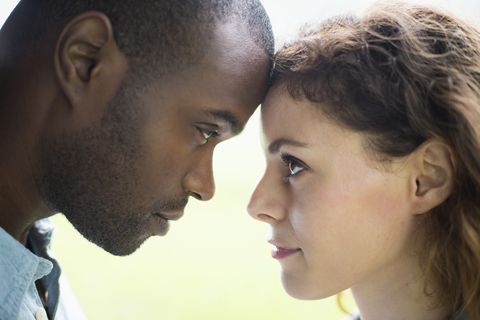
x=215, y=262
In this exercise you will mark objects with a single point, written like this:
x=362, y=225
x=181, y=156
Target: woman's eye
x=294, y=168
x=293, y=165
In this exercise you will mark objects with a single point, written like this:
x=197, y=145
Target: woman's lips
x=281, y=251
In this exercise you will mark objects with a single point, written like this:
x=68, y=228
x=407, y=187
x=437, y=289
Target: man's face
x=120, y=179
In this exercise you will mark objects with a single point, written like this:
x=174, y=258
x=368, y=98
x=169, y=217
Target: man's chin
x=118, y=246
x=122, y=250
x=120, y=238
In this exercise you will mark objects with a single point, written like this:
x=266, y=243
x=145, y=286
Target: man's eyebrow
x=236, y=127
x=277, y=144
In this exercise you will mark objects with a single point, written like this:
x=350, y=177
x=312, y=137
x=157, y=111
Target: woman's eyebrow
x=277, y=144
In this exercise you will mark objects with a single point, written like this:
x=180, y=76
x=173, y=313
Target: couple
x=111, y=110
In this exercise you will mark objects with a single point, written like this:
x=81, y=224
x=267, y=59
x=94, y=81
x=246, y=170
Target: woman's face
x=338, y=218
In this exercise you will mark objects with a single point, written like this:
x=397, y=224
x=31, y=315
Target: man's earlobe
x=435, y=174
x=81, y=48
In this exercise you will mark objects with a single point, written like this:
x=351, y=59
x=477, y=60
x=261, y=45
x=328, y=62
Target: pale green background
x=215, y=262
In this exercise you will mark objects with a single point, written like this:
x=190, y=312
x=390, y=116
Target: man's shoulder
x=18, y=269
x=61, y=300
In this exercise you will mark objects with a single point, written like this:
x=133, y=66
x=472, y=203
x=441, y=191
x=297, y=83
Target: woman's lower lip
x=280, y=253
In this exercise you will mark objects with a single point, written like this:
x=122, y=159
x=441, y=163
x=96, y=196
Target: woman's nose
x=267, y=201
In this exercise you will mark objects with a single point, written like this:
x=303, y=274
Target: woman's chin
x=303, y=288
x=300, y=289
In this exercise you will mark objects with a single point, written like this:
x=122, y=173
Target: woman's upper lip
x=282, y=246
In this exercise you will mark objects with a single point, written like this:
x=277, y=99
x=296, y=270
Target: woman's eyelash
x=294, y=166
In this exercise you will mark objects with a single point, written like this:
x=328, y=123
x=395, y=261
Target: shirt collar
x=19, y=268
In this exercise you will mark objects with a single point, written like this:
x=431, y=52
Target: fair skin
x=341, y=220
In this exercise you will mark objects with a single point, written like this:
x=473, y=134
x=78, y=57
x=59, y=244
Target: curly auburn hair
x=401, y=74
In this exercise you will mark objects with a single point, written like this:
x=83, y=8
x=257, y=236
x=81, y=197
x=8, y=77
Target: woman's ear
x=434, y=174
x=85, y=52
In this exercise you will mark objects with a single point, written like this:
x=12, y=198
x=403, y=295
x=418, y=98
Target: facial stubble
x=92, y=176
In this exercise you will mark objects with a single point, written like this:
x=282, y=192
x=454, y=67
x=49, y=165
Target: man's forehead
x=227, y=84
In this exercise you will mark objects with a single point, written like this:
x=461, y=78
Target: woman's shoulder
x=460, y=315
x=355, y=316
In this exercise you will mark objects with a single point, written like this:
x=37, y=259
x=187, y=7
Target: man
x=109, y=113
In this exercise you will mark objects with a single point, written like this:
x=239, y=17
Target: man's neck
x=24, y=236
x=20, y=202
x=19, y=210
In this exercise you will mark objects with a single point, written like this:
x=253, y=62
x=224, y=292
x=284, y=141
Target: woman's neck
x=397, y=292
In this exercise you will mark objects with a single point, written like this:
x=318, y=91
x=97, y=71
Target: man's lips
x=160, y=222
x=174, y=216
x=280, y=251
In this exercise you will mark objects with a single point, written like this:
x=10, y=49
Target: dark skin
x=77, y=136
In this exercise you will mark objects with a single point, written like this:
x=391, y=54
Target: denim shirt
x=20, y=268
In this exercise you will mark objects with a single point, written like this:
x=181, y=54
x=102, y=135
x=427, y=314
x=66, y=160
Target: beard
x=92, y=176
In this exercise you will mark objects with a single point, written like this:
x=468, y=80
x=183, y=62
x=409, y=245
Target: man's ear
x=85, y=52
x=434, y=174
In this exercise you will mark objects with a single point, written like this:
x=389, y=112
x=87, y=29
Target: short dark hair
x=401, y=74
x=169, y=34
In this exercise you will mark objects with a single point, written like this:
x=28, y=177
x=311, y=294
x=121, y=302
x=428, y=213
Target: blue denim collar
x=19, y=269
x=40, y=239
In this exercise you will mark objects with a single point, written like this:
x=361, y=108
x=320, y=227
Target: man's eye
x=208, y=134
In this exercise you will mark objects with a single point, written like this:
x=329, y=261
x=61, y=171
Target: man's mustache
x=170, y=204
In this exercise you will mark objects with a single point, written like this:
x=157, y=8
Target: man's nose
x=199, y=182
x=266, y=202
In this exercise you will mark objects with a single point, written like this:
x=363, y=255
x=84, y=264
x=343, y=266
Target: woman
x=372, y=128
